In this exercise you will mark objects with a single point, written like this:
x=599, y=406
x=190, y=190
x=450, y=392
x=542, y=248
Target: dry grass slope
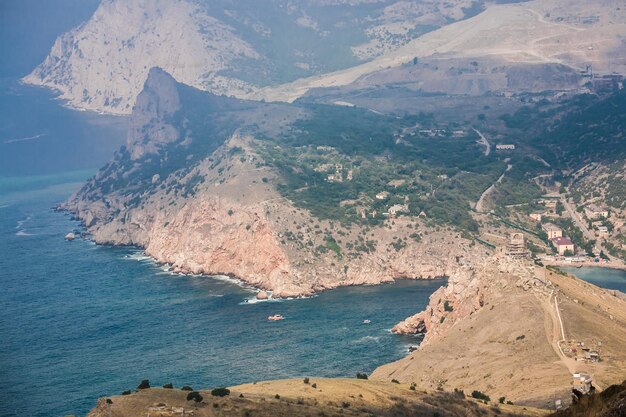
x=321, y=397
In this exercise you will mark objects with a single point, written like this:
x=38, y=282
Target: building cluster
x=563, y=244
x=431, y=132
x=582, y=384
x=335, y=172
x=549, y=210
x=593, y=212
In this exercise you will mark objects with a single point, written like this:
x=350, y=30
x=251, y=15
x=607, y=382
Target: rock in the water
x=70, y=236
x=262, y=295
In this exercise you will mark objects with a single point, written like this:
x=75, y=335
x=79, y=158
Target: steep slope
x=608, y=403
x=503, y=329
x=226, y=47
x=572, y=33
x=102, y=64
x=204, y=186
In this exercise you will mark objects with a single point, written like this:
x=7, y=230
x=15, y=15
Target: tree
x=560, y=208
x=220, y=392
x=194, y=395
x=568, y=253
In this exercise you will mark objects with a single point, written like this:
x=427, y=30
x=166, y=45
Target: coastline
x=587, y=264
x=233, y=278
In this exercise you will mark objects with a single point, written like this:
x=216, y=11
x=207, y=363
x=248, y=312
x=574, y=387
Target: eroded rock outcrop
x=462, y=296
x=200, y=198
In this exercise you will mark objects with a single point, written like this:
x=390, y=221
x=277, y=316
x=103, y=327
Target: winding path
x=483, y=141
x=481, y=201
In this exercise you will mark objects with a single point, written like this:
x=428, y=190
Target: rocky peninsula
x=222, y=214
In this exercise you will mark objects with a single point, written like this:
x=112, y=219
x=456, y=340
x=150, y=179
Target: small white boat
x=366, y=321
x=275, y=317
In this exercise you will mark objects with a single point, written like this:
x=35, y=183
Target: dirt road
x=480, y=205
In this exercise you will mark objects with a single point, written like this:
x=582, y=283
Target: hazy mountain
x=228, y=47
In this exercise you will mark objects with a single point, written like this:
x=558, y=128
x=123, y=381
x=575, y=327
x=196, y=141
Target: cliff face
x=102, y=64
x=193, y=190
x=236, y=48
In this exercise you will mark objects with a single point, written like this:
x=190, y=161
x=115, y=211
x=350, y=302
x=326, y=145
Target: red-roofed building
x=563, y=244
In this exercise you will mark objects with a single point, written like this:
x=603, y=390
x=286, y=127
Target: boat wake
x=368, y=339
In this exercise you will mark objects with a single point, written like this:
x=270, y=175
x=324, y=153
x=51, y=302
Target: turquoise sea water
x=79, y=321
x=613, y=279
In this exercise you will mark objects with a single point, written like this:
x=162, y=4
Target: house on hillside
x=537, y=215
x=398, y=208
x=594, y=212
x=563, y=245
x=552, y=230
x=582, y=383
x=383, y=195
x=549, y=203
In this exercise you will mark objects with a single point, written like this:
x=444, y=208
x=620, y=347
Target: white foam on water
x=368, y=339
x=20, y=223
x=255, y=300
x=140, y=256
x=23, y=233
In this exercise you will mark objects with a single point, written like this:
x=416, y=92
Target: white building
x=505, y=147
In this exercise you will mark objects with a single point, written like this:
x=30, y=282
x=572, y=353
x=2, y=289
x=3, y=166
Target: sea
x=612, y=279
x=79, y=321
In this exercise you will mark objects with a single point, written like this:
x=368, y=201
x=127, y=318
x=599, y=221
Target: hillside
x=563, y=35
x=227, y=47
x=215, y=185
x=503, y=329
x=283, y=50
x=321, y=396
x=608, y=403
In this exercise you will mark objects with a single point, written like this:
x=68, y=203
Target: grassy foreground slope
x=320, y=397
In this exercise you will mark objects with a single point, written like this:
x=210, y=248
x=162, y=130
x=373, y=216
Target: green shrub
x=220, y=392
x=186, y=388
x=194, y=395
x=127, y=392
x=145, y=384
x=306, y=380
x=395, y=381
x=501, y=400
x=360, y=375
x=277, y=396
x=480, y=396
x=168, y=386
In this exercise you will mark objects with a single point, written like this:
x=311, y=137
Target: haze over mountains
x=279, y=50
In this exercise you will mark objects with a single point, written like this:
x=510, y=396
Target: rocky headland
x=503, y=326
x=220, y=212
